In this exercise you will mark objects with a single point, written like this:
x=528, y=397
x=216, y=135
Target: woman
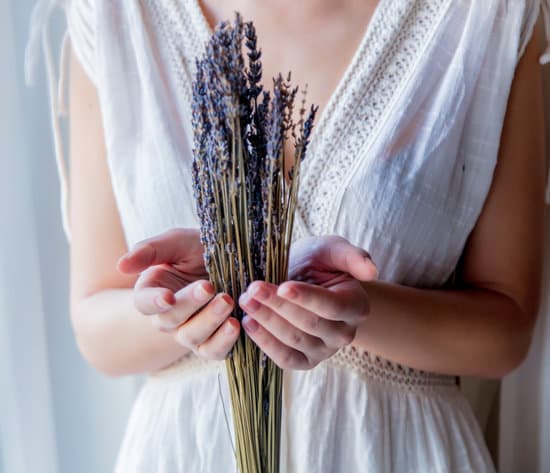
x=427, y=152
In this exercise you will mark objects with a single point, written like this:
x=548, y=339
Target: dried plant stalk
x=245, y=202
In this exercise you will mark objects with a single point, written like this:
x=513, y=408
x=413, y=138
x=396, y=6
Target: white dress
x=400, y=163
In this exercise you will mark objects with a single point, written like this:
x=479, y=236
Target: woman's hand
x=173, y=290
x=302, y=322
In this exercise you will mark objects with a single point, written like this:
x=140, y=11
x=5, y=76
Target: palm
x=172, y=260
x=321, y=261
x=178, y=275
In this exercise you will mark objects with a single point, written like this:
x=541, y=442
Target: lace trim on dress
x=370, y=366
x=392, y=47
x=176, y=21
x=365, y=365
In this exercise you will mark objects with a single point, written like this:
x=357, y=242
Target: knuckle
x=189, y=340
x=365, y=306
x=265, y=315
x=206, y=353
x=193, y=340
x=313, y=322
x=275, y=302
x=286, y=359
x=318, y=346
x=296, y=338
x=162, y=323
x=169, y=319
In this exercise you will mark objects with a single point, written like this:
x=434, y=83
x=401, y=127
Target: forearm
x=468, y=332
x=117, y=339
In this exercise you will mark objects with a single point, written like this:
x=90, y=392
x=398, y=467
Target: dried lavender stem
x=246, y=210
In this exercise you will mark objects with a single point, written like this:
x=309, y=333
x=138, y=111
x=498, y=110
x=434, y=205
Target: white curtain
x=56, y=414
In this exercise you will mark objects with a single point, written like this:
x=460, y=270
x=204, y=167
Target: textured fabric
x=334, y=421
x=400, y=163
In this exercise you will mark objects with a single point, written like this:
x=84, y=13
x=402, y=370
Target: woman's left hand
x=305, y=321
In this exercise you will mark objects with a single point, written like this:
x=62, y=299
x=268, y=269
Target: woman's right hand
x=174, y=291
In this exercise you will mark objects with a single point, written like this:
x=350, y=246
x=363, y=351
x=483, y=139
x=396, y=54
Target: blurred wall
x=89, y=411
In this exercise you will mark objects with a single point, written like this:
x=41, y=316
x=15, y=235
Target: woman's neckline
x=206, y=31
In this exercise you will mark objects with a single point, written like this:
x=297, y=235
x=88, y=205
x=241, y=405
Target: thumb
x=341, y=255
x=174, y=246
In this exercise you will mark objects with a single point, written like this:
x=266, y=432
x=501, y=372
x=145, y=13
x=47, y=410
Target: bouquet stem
x=246, y=198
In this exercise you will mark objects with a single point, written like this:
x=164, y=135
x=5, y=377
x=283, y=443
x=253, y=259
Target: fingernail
x=221, y=306
x=229, y=328
x=162, y=304
x=287, y=292
x=250, y=324
x=202, y=293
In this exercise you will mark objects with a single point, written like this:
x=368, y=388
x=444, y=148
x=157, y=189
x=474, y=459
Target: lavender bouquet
x=246, y=198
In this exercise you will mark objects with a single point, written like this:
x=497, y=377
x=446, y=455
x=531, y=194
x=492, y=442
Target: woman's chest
x=394, y=156
x=314, y=41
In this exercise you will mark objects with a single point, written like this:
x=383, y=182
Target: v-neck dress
x=400, y=163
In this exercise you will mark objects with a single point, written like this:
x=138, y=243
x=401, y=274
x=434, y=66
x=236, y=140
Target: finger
x=338, y=254
x=345, y=304
x=345, y=257
x=189, y=301
x=174, y=246
x=152, y=300
x=164, y=276
x=203, y=324
x=284, y=356
x=220, y=343
x=281, y=327
x=261, y=300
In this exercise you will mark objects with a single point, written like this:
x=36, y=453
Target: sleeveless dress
x=400, y=163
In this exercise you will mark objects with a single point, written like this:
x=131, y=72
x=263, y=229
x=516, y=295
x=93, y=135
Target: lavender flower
x=246, y=210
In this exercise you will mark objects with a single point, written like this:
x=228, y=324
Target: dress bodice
x=401, y=159
x=400, y=163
